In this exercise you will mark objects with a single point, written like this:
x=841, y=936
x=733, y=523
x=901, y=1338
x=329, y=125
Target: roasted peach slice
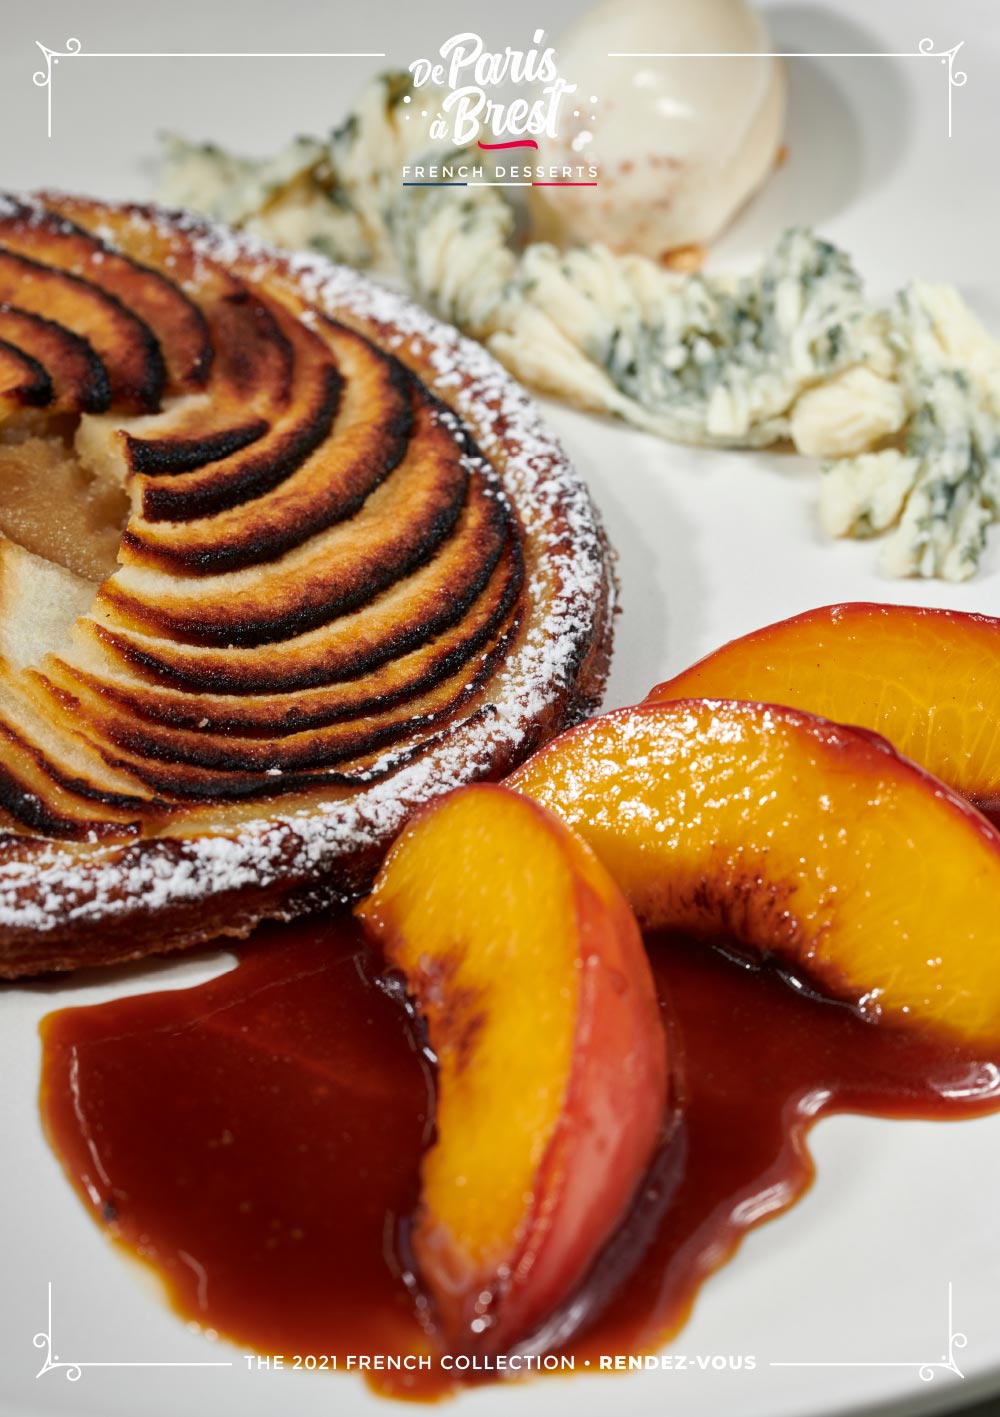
x=928, y=680
x=798, y=839
x=528, y=966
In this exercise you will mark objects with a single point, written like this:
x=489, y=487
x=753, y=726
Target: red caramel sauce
x=256, y=1139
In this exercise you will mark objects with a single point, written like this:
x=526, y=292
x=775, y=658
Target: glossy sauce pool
x=256, y=1140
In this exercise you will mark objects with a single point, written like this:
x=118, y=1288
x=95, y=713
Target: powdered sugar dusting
x=52, y=886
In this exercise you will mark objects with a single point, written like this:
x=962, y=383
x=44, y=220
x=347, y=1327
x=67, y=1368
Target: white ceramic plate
x=856, y=1278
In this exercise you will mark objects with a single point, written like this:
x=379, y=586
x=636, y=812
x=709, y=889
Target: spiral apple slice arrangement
x=798, y=839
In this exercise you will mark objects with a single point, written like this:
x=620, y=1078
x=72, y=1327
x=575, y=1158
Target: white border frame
x=74, y=1370
x=957, y=78
x=74, y=50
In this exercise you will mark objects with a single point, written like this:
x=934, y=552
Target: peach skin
x=804, y=841
x=928, y=680
x=526, y=963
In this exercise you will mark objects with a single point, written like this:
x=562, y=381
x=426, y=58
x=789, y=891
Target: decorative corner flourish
x=74, y=1371
x=947, y=1362
x=43, y=77
x=926, y=1371
x=957, y=78
x=44, y=1339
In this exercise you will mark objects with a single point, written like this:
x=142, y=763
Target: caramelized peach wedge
x=928, y=680
x=528, y=967
x=798, y=839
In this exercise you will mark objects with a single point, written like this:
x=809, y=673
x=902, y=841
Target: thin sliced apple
x=264, y=462
x=928, y=680
x=526, y=963
x=124, y=343
x=79, y=379
x=799, y=839
x=175, y=320
x=369, y=438
x=102, y=665
x=23, y=381
x=421, y=614
x=400, y=527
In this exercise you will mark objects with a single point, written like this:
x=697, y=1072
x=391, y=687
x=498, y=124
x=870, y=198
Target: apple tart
x=283, y=558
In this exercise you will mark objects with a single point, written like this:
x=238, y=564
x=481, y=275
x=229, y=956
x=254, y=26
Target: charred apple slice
x=527, y=964
x=78, y=378
x=928, y=680
x=177, y=323
x=23, y=381
x=399, y=528
x=422, y=607
x=368, y=439
x=250, y=384
x=799, y=839
x=254, y=467
x=121, y=340
x=107, y=667
x=132, y=739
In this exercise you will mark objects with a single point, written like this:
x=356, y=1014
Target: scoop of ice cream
x=680, y=143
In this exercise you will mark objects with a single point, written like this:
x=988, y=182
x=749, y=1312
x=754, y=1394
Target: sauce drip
x=257, y=1139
